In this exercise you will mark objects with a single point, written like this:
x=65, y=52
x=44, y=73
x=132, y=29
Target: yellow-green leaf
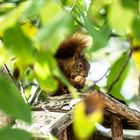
x=12, y=17
x=84, y=125
x=44, y=68
x=17, y=42
x=120, y=18
x=136, y=57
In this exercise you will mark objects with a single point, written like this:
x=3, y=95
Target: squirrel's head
x=72, y=61
x=80, y=66
x=79, y=71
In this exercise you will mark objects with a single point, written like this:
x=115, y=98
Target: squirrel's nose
x=85, y=75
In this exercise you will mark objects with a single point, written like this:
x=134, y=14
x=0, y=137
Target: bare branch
x=6, y=70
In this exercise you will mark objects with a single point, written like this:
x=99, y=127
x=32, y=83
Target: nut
x=80, y=80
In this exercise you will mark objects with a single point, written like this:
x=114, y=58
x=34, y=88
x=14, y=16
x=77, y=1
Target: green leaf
x=117, y=14
x=4, y=55
x=61, y=77
x=135, y=28
x=56, y=25
x=51, y=7
x=34, y=8
x=133, y=4
x=44, y=67
x=100, y=37
x=13, y=1
x=97, y=11
x=16, y=41
x=11, y=101
x=49, y=35
x=115, y=70
x=48, y=72
x=12, y=17
x=5, y=7
x=66, y=2
x=14, y=134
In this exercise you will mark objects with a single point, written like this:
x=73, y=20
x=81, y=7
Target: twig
x=96, y=81
x=34, y=93
x=22, y=92
x=6, y=70
x=18, y=84
x=120, y=73
x=30, y=84
x=78, y=21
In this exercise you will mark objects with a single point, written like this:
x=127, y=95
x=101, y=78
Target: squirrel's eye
x=80, y=65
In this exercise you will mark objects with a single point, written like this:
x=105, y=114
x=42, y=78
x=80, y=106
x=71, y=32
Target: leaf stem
x=120, y=73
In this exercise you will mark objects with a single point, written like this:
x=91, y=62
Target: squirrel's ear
x=81, y=42
x=76, y=56
x=73, y=45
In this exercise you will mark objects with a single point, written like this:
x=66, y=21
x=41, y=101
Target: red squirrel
x=72, y=62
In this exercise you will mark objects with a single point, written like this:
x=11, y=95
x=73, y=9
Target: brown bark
x=116, y=127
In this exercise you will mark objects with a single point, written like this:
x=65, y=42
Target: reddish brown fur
x=74, y=45
x=68, y=56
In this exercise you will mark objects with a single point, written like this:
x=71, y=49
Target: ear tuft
x=73, y=45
